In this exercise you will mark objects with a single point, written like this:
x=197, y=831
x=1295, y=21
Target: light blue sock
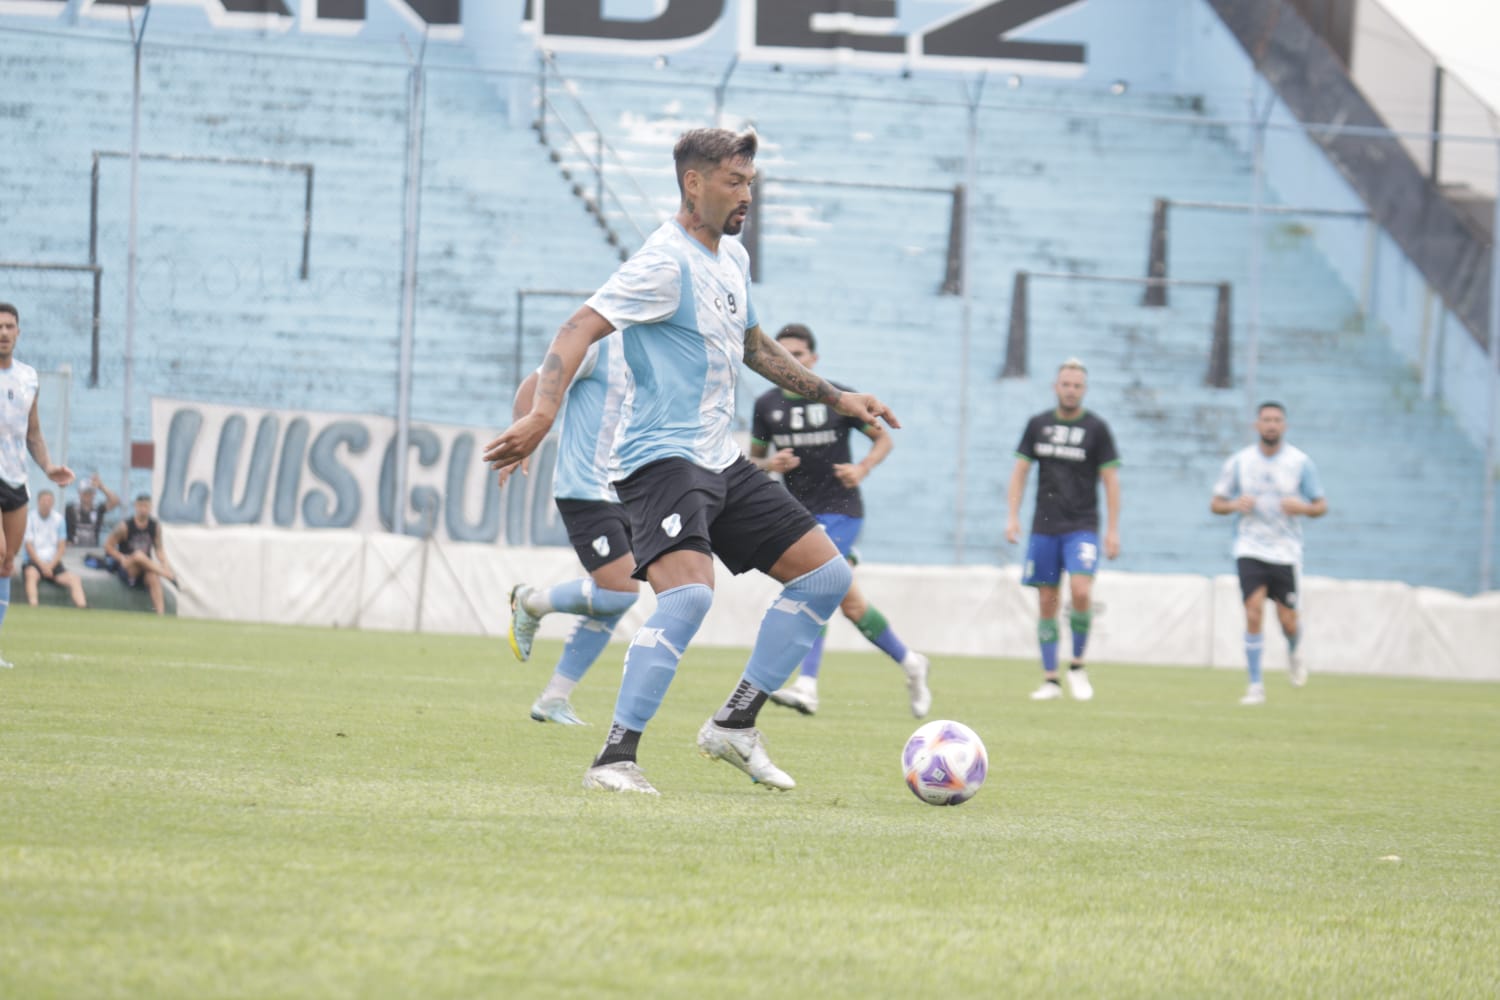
x=4, y=597
x=584, y=597
x=602, y=611
x=813, y=661
x=651, y=662
x=587, y=641
x=1254, y=643
x=793, y=622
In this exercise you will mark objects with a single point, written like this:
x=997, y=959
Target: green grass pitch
x=197, y=809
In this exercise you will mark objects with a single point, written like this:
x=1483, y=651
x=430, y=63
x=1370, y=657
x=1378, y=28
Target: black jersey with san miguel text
x=818, y=435
x=1069, y=455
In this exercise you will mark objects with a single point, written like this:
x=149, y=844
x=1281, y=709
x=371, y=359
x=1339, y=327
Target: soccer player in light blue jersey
x=20, y=434
x=597, y=524
x=1270, y=486
x=682, y=305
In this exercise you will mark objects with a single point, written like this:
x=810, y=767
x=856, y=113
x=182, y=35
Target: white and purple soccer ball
x=945, y=763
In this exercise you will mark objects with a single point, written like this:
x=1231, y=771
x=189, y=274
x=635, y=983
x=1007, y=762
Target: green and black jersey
x=1069, y=455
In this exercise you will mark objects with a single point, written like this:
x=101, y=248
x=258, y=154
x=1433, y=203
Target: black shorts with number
x=13, y=497
x=741, y=515
x=1279, y=579
x=598, y=529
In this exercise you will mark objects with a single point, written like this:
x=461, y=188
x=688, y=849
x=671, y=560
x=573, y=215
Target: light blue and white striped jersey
x=1268, y=533
x=18, y=386
x=683, y=312
x=589, y=420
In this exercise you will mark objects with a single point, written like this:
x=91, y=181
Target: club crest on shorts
x=672, y=524
x=601, y=545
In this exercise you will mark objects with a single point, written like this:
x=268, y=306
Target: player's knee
x=688, y=603
x=611, y=603
x=824, y=588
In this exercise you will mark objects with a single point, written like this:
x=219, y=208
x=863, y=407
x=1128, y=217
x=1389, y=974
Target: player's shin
x=874, y=627
x=787, y=632
x=1078, y=623
x=651, y=662
x=1047, y=633
x=1255, y=643
x=813, y=661
x=585, y=643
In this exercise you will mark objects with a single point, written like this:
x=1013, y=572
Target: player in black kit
x=1075, y=452
x=812, y=454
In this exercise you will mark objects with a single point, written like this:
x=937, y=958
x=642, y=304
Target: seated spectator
x=44, y=546
x=136, y=552
x=85, y=519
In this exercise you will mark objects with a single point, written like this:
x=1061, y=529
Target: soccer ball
x=945, y=763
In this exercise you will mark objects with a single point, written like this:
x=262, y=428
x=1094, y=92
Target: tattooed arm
x=564, y=356
x=766, y=357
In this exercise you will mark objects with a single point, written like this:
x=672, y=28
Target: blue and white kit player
x=683, y=307
x=1271, y=486
x=20, y=434
x=597, y=525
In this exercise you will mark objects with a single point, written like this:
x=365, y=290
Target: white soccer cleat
x=1255, y=694
x=6, y=664
x=1078, y=684
x=1296, y=670
x=917, y=666
x=1047, y=692
x=621, y=776
x=555, y=710
x=523, y=623
x=799, y=695
x=746, y=750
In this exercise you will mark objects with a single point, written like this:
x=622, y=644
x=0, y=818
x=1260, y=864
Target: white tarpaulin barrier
x=396, y=582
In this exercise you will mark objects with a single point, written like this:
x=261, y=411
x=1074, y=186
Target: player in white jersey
x=1270, y=486
x=20, y=433
x=682, y=305
x=597, y=526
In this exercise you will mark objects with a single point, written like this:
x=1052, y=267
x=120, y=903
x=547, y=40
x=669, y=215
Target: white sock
x=559, y=687
x=537, y=600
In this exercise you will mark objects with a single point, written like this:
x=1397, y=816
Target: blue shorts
x=844, y=531
x=1048, y=555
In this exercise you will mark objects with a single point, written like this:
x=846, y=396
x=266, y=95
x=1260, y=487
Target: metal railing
x=1017, y=343
x=600, y=157
x=952, y=283
x=232, y=161
x=98, y=275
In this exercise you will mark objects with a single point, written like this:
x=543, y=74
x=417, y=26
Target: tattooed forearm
x=768, y=358
x=550, y=385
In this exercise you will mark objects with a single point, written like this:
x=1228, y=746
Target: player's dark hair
x=6, y=307
x=800, y=332
x=142, y=496
x=1271, y=404
x=703, y=149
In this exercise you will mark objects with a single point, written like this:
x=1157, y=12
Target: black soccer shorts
x=741, y=514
